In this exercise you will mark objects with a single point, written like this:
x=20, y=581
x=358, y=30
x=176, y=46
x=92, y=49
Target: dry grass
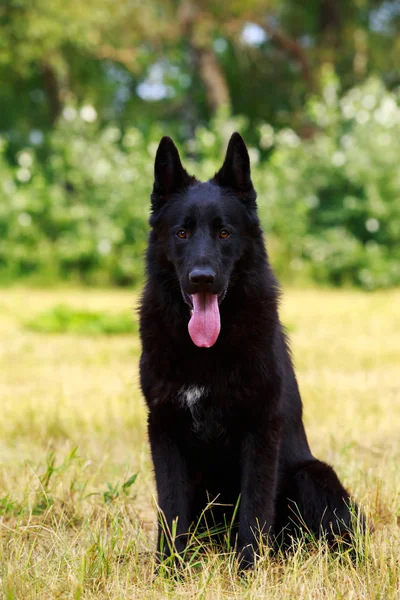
x=65, y=534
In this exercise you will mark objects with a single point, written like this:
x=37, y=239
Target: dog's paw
x=170, y=566
x=246, y=558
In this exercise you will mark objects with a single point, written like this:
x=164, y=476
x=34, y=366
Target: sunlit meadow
x=75, y=522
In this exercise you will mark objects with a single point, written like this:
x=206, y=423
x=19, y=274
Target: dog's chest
x=208, y=418
x=191, y=395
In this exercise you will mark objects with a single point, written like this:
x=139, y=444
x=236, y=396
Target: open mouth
x=188, y=298
x=205, y=323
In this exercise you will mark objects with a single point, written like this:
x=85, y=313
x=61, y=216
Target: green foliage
x=113, y=492
x=64, y=319
x=334, y=200
x=105, y=51
x=81, y=212
x=329, y=204
x=43, y=497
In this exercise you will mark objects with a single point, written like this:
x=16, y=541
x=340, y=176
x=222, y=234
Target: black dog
x=225, y=414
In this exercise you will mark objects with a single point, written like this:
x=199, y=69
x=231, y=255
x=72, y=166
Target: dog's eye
x=223, y=234
x=181, y=234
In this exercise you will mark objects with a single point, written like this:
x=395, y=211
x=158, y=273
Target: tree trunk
x=213, y=78
x=292, y=47
x=52, y=90
x=205, y=60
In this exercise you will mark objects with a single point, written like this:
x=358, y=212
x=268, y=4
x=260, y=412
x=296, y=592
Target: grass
x=77, y=517
x=64, y=319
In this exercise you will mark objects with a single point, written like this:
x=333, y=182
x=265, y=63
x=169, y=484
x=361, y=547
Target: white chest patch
x=191, y=394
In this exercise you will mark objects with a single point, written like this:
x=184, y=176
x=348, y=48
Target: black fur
x=244, y=437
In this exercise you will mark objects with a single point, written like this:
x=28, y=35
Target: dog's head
x=203, y=229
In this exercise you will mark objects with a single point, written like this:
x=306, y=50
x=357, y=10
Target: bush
x=64, y=319
x=333, y=201
x=77, y=207
x=82, y=212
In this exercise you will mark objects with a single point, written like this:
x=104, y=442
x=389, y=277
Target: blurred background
x=88, y=88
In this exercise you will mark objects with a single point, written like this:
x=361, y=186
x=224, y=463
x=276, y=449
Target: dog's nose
x=203, y=276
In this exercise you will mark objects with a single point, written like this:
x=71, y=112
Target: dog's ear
x=235, y=172
x=169, y=175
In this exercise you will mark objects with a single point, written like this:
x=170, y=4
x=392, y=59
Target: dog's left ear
x=169, y=174
x=235, y=172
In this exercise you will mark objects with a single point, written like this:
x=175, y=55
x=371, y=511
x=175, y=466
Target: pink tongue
x=205, y=324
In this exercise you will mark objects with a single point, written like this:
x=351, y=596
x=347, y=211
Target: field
x=73, y=432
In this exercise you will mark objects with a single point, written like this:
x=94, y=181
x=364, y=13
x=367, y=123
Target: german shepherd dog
x=225, y=414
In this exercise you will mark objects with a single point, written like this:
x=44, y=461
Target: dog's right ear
x=169, y=174
x=235, y=172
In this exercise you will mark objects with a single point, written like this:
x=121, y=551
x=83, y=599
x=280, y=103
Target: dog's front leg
x=259, y=461
x=172, y=487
